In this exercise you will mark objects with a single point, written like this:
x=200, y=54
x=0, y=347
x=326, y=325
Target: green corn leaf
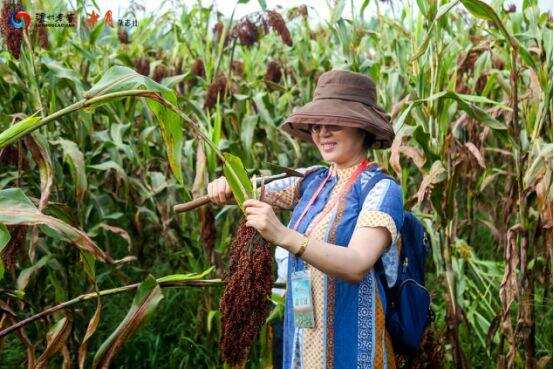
x=4, y=239
x=110, y=164
x=465, y=103
x=443, y=10
x=25, y=276
x=121, y=78
x=17, y=130
x=238, y=180
x=263, y=5
x=147, y=298
x=176, y=278
x=482, y=10
x=76, y=162
x=4, y=236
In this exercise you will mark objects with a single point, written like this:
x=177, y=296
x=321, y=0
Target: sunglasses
x=315, y=128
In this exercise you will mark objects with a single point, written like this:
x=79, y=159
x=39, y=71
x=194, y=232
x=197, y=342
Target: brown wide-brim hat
x=343, y=98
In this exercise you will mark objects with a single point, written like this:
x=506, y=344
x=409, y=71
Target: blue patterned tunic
x=350, y=318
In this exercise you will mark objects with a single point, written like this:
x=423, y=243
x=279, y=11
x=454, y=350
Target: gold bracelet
x=303, y=246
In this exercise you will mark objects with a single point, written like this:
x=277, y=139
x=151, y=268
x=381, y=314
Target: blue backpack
x=408, y=301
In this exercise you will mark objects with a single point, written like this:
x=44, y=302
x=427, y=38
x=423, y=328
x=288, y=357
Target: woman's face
x=336, y=143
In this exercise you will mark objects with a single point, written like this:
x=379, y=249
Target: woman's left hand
x=261, y=216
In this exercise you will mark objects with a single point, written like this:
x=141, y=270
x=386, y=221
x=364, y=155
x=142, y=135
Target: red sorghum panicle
x=467, y=61
x=160, y=72
x=196, y=71
x=123, y=36
x=273, y=72
x=217, y=87
x=9, y=155
x=197, y=68
x=12, y=36
x=246, y=31
x=237, y=67
x=40, y=35
x=497, y=62
x=298, y=11
x=318, y=33
x=481, y=82
x=245, y=302
x=142, y=66
x=278, y=24
x=218, y=30
x=429, y=356
x=510, y=8
x=43, y=37
x=207, y=231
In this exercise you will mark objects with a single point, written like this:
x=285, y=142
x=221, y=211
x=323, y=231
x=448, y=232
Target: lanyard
x=363, y=165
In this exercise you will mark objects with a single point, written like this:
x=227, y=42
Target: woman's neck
x=349, y=163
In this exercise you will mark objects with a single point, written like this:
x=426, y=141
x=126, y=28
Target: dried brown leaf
x=436, y=174
x=16, y=208
x=415, y=154
x=395, y=154
x=55, y=341
x=39, y=151
x=91, y=328
x=120, y=232
x=476, y=153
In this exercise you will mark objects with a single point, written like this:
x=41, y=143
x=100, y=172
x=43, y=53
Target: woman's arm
x=379, y=219
x=349, y=263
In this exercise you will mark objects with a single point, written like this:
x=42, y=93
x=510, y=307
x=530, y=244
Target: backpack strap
x=387, y=281
x=310, y=175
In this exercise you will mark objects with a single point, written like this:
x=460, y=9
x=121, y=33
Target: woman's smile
x=328, y=146
x=337, y=144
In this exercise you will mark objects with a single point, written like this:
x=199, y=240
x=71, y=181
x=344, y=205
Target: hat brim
x=344, y=113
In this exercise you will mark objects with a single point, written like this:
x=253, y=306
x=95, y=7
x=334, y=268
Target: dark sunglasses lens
x=314, y=128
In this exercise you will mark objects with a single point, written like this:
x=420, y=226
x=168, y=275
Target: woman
x=334, y=234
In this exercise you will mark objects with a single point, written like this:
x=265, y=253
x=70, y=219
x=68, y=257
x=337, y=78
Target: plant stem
x=16, y=131
x=112, y=291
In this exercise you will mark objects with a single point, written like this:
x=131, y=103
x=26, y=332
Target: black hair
x=369, y=139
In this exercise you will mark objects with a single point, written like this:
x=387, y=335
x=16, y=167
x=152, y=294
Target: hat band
x=345, y=92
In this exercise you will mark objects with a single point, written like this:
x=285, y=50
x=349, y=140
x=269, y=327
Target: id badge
x=302, y=305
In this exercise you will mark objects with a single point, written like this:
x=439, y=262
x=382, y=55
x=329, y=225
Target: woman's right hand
x=220, y=192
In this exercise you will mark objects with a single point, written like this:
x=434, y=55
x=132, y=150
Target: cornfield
x=103, y=129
